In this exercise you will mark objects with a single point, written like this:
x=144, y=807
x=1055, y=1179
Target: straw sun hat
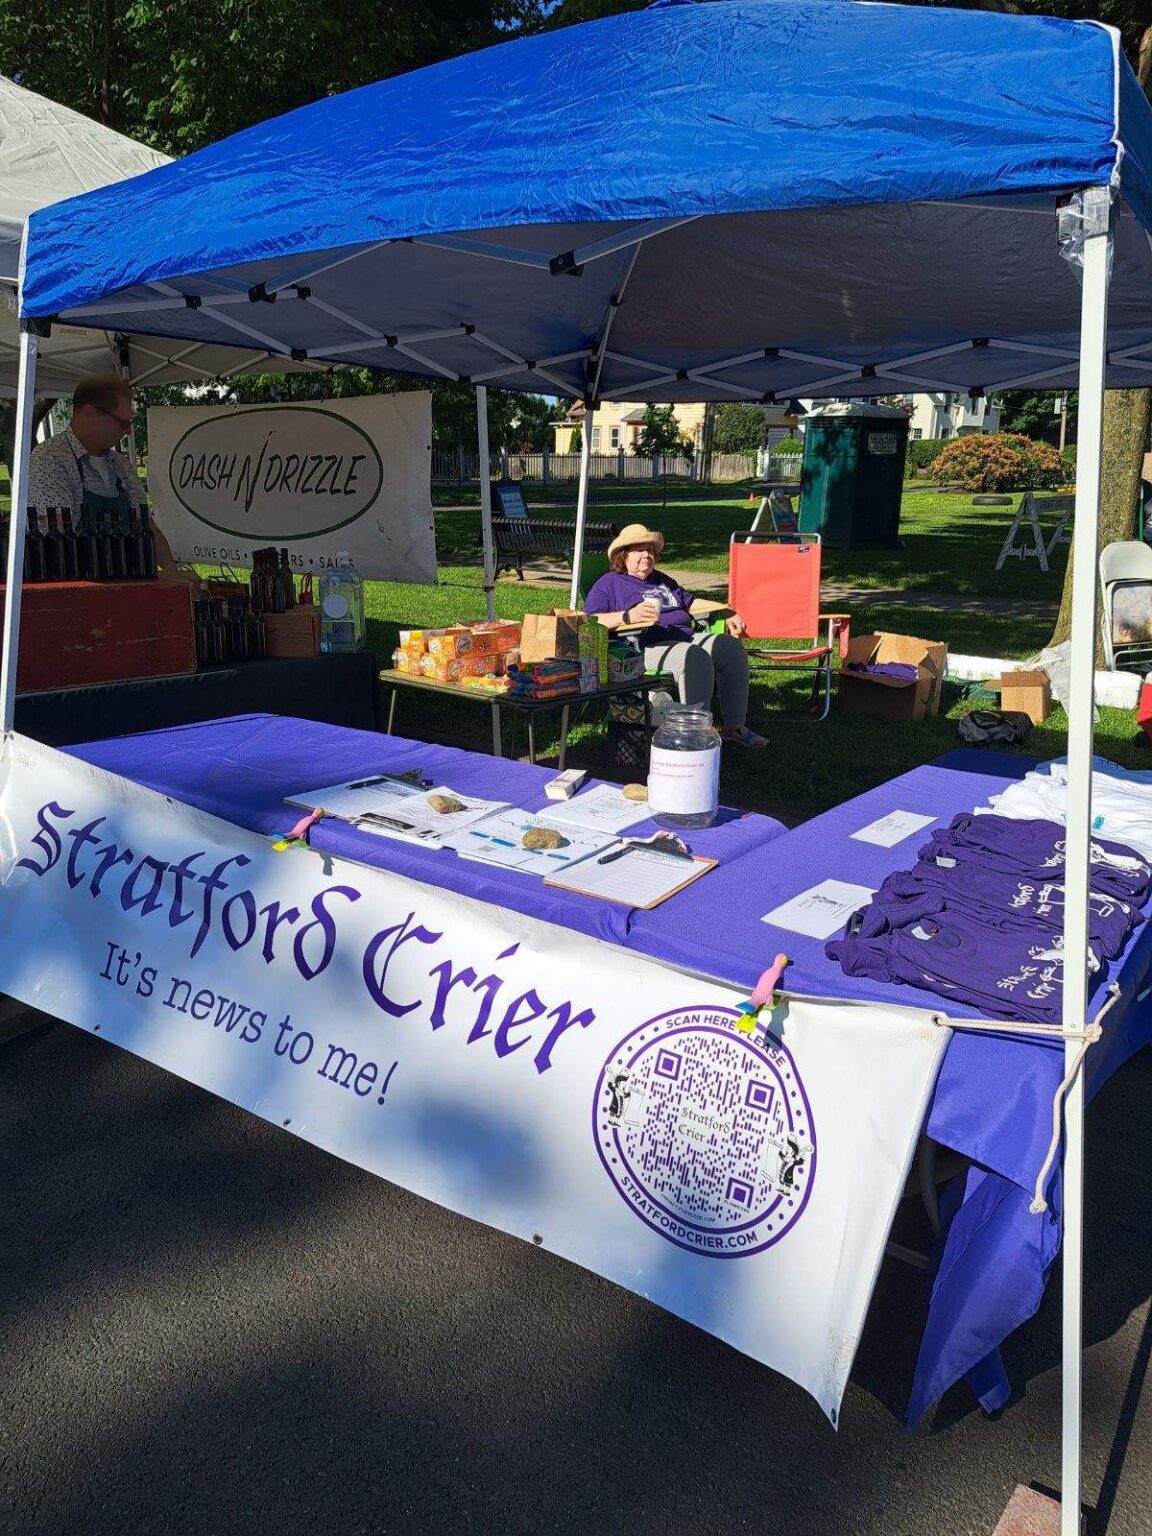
x=634, y=534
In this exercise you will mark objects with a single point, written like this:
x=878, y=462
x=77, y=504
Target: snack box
x=450, y=643
x=487, y=639
x=624, y=665
x=416, y=640
x=453, y=669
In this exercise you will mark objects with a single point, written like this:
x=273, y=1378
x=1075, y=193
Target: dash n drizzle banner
x=560, y=1089
x=315, y=478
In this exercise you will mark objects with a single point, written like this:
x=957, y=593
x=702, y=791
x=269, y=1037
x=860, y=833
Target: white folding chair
x=1126, y=590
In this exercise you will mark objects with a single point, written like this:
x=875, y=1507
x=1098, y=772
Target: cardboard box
x=1029, y=692
x=296, y=632
x=547, y=635
x=893, y=698
x=80, y=632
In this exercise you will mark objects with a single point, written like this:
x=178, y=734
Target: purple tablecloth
x=242, y=768
x=993, y=1099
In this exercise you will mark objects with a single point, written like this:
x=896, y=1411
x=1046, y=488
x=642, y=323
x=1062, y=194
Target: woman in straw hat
x=634, y=592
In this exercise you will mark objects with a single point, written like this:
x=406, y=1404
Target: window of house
x=917, y=432
x=614, y=437
x=595, y=439
x=945, y=431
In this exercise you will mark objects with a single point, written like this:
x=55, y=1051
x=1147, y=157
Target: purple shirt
x=1034, y=849
x=1002, y=901
x=899, y=671
x=1010, y=973
x=614, y=593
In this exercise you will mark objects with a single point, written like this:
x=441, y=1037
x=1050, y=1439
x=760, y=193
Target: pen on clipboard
x=672, y=848
x=616, y=853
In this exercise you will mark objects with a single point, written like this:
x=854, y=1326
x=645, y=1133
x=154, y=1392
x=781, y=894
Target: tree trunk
x=1127, y=424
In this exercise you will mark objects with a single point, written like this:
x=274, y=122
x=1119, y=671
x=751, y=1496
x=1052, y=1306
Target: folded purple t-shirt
x=1034, y=849
x=1003, y=901
x=900, y=671
x=617, y=591
x=1010, y=973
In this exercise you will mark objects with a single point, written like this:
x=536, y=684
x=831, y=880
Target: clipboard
x=571, y=881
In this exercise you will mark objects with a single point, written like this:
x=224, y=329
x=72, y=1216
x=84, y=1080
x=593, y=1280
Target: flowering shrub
x=999, y=461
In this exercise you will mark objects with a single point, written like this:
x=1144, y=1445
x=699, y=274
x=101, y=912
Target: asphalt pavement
x=211, y=1327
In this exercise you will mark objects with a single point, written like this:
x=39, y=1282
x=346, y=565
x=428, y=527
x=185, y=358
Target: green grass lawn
x=949, y=545
x=950, y=548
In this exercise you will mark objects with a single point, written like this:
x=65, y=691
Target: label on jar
x=684, y=783
x=334, y=606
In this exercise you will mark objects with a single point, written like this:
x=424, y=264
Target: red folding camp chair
x=774, y=584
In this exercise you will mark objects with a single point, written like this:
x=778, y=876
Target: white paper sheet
x=820, y=912
x=498, y=840
x=391, y=809
x=370, y=792
x=601, y=809
x=893, y=828
x=638, y=878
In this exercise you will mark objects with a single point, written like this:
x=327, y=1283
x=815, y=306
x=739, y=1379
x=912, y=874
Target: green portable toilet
x=853, y=474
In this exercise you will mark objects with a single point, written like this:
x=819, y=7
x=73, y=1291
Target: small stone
x=635, y=791
x=543, y=837
x=445, y=804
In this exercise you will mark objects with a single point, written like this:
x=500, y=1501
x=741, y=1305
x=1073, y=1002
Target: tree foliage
x=660, y=433
x=740, y=429
x=1034, y=413
x=179, y=74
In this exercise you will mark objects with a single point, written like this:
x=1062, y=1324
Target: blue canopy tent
x=741, y=201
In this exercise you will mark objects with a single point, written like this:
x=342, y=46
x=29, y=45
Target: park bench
x=517, y=533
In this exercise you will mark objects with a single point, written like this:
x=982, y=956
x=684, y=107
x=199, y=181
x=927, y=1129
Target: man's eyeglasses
x=124, y=423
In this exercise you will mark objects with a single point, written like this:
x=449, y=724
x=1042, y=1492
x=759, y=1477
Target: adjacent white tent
x=49, y=153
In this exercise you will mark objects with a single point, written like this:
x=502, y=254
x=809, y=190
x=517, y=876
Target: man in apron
x=81, y=469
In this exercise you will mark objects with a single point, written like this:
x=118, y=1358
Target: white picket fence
x=463, y=468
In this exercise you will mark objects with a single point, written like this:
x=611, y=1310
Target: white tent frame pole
x=1081, y=711
x=582, y=503
x=22, y=452
x=485, y=473
x=486, y=500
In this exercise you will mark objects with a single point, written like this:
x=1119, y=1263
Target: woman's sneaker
x=743, y=737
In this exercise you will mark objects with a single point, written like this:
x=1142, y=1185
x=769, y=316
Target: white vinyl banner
x=605, y=1107
x=317, y=478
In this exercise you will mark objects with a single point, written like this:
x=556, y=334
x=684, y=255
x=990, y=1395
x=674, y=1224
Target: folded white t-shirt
x=1121, y=801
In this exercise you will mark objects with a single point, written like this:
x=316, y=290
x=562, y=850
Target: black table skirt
x=335, y=690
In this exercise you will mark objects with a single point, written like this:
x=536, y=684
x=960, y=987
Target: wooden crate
x=79, y=632
x=294, y=633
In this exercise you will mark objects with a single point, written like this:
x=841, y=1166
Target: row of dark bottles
x=227, y=629
x=273, y=590
x=97, y=549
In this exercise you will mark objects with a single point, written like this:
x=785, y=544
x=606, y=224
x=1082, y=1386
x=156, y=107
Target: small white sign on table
x=823, y=910
x=889, y=830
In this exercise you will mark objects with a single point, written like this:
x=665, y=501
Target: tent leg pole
x=22, y=451
x=1093, y=342
x=582, y=503
x=486, y=500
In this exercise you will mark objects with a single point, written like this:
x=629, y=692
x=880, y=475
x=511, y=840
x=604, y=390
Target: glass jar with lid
x=684, y=769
